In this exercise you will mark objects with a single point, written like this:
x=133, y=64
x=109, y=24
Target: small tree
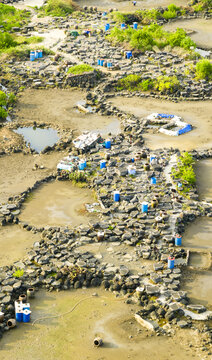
x=204, y=70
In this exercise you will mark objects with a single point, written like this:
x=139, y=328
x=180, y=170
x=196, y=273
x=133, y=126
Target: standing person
x=134, y=3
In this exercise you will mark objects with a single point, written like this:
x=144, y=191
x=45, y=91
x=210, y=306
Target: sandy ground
x=198, y=114
x=14, y=242
x=199, y=234
x=58, y=107
x=71, y=336
x=18, y=173
x=58, y=203
x=202, y=27
x=199, y=287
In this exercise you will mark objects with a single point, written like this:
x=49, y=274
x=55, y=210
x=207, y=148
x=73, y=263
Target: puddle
x=203, y=170
x=202, y=28
x=195, y=113
x=58, y=204
x=128, y=5
x=199, y=234
x=200, y=288
x=71, y=336
x=58, y=107
x=13, y=243
x=38, y=138
x=199, y=260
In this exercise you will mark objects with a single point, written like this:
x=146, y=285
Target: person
x=134, y=3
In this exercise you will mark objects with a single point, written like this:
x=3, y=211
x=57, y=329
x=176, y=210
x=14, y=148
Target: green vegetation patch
x=18, y=273
x=204, y=70
x=58, y=8
x=185, y=171
x=5, y=101
x=136, y=83
x=11, y=17
x=144, y=39
x=80, y=69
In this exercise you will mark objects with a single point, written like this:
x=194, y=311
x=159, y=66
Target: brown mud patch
x=14, y=242
x=72, y=336
x=9, y=139
x=198, y=114
x=58, y=203
x=203, y=170
x=58, y=108
x=17, y=172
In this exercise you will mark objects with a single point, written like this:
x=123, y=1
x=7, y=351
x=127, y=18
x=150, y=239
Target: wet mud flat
x=105, y=316
x=19, y=173
x=58, y=203
x=198, y=285
x=201, y=28
x=203, y=170
x=198, y=114
x=199, y=234
x=14, y=242
x=59, y=108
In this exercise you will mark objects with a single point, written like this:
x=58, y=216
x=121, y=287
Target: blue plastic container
x=107, y=27
x=178, y=240
x=102, y=164
x=107, y=144
x=133, y=160
x=19, y=316
x=171, y=263
x=129, y=54
x=98, y=62
x=81, y=165
x=153, y=180
x=104, y=13
x=84, y=163
x=152, y=157
x=122, y=26
x=101, y=62
x=36, y=54
x=109, y=65
x=116, y=196
x=26, y=306
x=32, y=55
x=26, y=316
x=135, y=25
x=40, y=53
x=144, y=207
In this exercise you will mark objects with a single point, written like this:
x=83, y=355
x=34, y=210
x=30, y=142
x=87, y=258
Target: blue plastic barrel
x=135, y=25
x=152, y=157
x=19, y=316
x=104, y=13
x=133, y=160
x=178, y=240
x=107, y=144
x=107, y=27
x=26, y=316
x=102, y=164
x=116, y=196
x=129, y=54
x=144, y=207
x=122, y=26
x=81, y=165
x=84, y=163
x=32, y=55
x=153, y=180
x=109, y=65
x=101, y=62
x=98, y=62
x=36, y=54
x=171, y=262
x=40, y=53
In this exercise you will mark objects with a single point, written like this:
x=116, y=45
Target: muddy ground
x=58, y=107
x=18, y=173
x=198, y=114
x=71, y=336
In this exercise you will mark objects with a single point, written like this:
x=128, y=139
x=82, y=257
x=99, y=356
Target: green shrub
x=6, y=41
x=18, y=273
x=80, y=69
x=3, y=113
x=204, y=69
x=11, y=17
x=164, y=83
x=3, y=98
x=58, y=8
x=185, y=170
x=78, y=177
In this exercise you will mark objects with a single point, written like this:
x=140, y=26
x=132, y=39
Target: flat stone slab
x=150, y=325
